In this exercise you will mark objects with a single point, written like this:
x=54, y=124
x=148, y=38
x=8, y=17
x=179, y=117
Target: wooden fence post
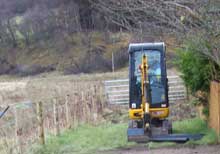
x=187, y=93
x=75, y=104
x=82, y=108
x=101, y=98
x=101, y=93
x=56, y=117
x=214, y=106
x=40, y=123
x=17, y=132
x=67, y=112
x=113, y=64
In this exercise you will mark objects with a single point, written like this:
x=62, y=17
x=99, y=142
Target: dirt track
x=184, y=150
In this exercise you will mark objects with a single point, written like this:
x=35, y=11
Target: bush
x=95, y=61
x=24, y=70
x=88, y=64
x=5, y=66
x=196, y=65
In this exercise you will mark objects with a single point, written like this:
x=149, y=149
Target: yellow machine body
x=160, y=113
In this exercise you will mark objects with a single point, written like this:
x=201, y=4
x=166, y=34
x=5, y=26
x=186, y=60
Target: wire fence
x=31, y=121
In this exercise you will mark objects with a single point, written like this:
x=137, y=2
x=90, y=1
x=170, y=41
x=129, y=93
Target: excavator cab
x=157, y=78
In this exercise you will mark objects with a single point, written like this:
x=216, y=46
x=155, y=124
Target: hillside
x=75, y=54
x=80, y=36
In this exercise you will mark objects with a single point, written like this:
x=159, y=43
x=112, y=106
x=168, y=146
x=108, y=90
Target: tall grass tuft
x=86, y=139
x=195, y=126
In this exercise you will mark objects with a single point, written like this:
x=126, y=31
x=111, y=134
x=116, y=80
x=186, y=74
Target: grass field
x=88, y=139
x=191, y=126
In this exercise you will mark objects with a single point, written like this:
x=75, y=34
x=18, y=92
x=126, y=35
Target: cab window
x=154, y=74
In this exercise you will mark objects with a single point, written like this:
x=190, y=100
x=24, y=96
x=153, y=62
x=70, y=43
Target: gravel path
x=214, y=149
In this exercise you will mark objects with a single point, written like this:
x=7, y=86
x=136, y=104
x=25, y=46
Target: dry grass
x=86, y=102
x=47, y=85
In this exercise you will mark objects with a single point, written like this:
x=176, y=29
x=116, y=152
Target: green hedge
x=196, y=64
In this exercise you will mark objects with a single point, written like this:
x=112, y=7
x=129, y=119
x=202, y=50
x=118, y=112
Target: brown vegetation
x=78, y=100
x=79, y=36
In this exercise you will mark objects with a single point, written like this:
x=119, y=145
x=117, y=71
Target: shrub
x=95, y=61
x=5, y=66
x=196, y=63
x=25, y=70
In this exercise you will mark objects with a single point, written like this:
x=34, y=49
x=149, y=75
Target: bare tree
x=157, y=13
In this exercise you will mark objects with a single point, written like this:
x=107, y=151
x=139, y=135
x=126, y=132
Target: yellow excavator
x=148, y=96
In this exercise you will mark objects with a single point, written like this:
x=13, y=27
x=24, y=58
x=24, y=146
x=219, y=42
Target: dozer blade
x=176, y=137
x=138, y=135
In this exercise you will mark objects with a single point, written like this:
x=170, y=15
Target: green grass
x=191, y=126
x=88, y=139
x=196, y=126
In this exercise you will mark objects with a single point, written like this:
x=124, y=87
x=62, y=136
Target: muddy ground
x=212, y=149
